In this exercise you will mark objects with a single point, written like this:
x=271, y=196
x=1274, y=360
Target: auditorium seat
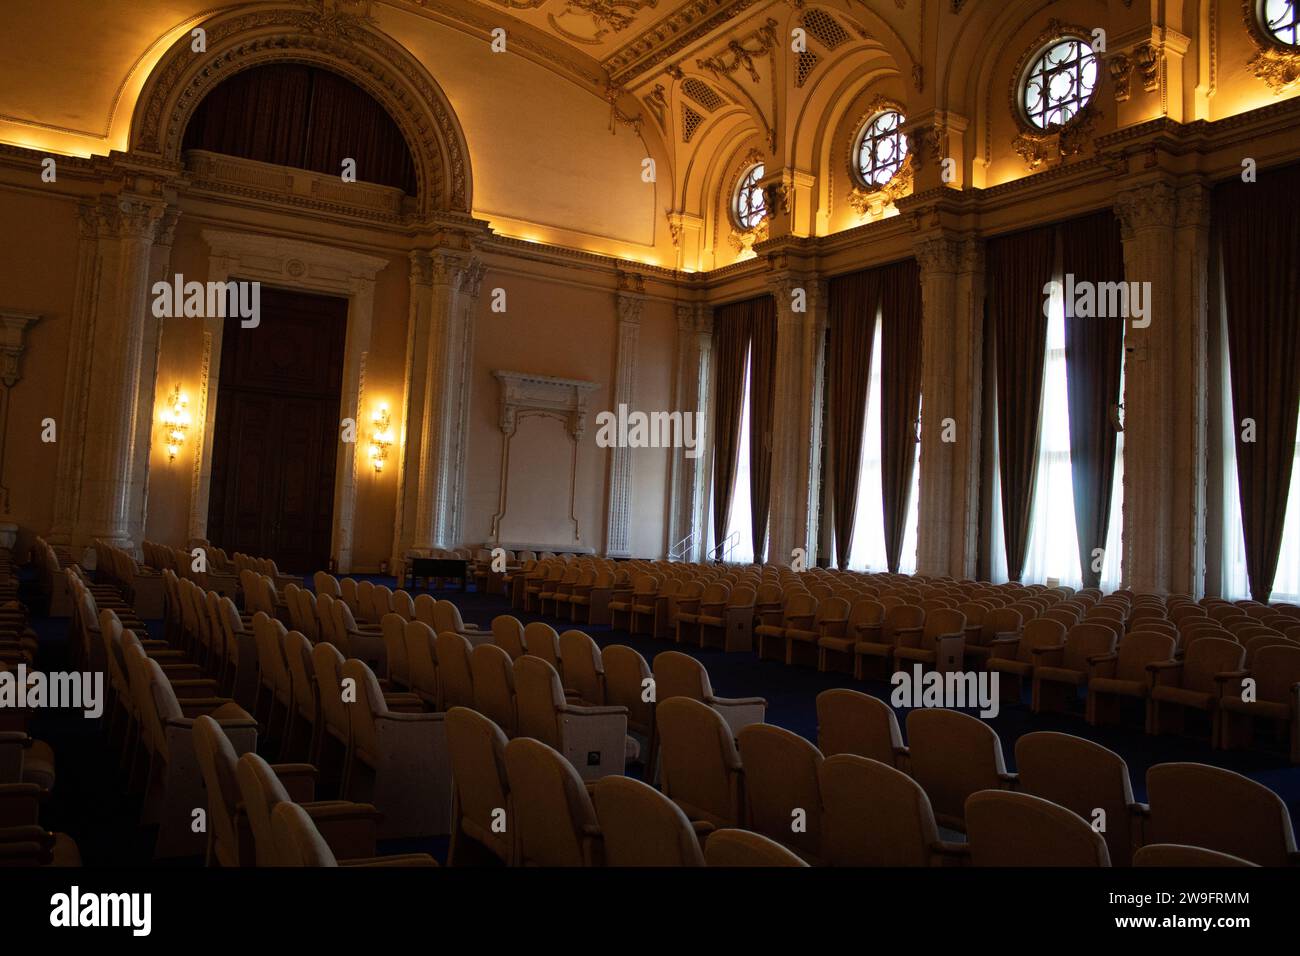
x=480, y=789
x=455, y=674
x=1177, y=856
x=1276, y=672
x=939, y=645
x=299, y=843
x=422, y=663
x=304, y=715
x=494, y=685
x=700, y=767
x=551, y=810
x=584, y=670
x=850, y=722
x=1085, y=777
x=593, y=738
x=508, y=634
x=1017, y=829
x=541, y=640
x=1061, y=672
x=742, y=848
x=1191, y=684
x=902, y=621
x=629, y=684
x=1125, y=673
x=680, y=675
x=1199, y=805
x=783, y=799
x=866, y=617
x=398, y=672
x=1013, y=658
x=874, y=815
x=639, y=826
x=798, y=613
x=731, y=629
x=953, y=755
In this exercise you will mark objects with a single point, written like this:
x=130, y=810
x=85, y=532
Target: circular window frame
x=856, y=176
x=733, y=202
x=1257, y=24
x=1053, y=36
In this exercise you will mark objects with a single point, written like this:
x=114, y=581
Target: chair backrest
x=494, y=685
x=851, y=722
x=348, y=592
x=297, y=841
x=393, y=628
x=626, y=674
x=1177, y=855
x=1276, y=669
x=699, y=761
x=261, y=792
x=1208, y=657
x=455, y=676
x=324, y=583
x=404, y=605
x=425, y=605
x=302, y=674
x=217, y=759
x=1084, y=641
x=641, y=827
x=1140, y=648
x=541, y=641
x=327, y=621
x=742, y=848
x=368, y=704
x=1016, y=829
x=477, y=750
x=1040, y=632
x=680, y=675
x=421, y=659
x=873, y=815
x=1217, y=809
x=584, y=671
x=327, y=664
x=508, y=634
x=539, y=695
x=1081, y=776
x=953, y=755
x=553, y=814
x=783, y=799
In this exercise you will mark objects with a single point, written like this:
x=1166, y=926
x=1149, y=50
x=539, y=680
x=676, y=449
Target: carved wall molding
x=321, y=34
x=524, y=395
x=741, y=53
x=1274, y=62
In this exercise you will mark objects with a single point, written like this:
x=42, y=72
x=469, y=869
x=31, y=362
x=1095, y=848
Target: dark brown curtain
x=900, y=396
x=1259, y=241
x=762, y=408
x=732, y=325
x=1091, y=251
x=852, y=302
x=296, y=115
x=1019, y=266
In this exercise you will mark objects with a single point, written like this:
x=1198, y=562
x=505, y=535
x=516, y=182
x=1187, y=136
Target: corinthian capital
x=941, y=254
x=1151, y=206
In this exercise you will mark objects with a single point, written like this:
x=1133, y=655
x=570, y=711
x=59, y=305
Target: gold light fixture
x=381, y=439
x=176, y=422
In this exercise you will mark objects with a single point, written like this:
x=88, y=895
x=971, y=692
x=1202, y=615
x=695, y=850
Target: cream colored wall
x=656, y=347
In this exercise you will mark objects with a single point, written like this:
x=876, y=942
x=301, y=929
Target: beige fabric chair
x=799, y=613
x=874, y=815
x=1016, y=829
x=393, y=626
x=866, y=617
x=348, y=827
x=1125, y=673
x=629, y=684
x=1192, y=684
x=333, y=737
x=304, y=716
x=584, y=670
x=446, y=617
x=680, y=675
x=1198, y=805
x=361, y=641
x=480, y=789
x=1059, y=673
x=508, y=634
x=700, y=768
x=399, y=761
x=540, y=640
x=742, y=848
x=549, y=806
x=422, y=663
x=1177, y=856
x=874, y=650
x=642, y=827
x=953, y=755
x=850, y=722
x=940, y=645
x=1014, y=658
x=593, y=739
x=731, y=629
x=455, y=675
x=1276, y=671
x=494, y=685
x=299, y=843
x=1084, y=777
x=782, y=793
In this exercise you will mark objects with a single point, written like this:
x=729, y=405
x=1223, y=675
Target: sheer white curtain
x=1236, y=579
x=740, y=544
x=868, y=550
x=1053, y=549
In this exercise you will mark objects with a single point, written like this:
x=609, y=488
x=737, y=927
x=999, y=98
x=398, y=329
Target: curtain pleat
x=1259, y=244
x=1019, y=267
x=900, y=397
x=852, y=302
x=732, y=326
x=1091, y=250
x=762, y=411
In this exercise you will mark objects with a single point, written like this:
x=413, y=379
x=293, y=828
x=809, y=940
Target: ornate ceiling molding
x=677, y=31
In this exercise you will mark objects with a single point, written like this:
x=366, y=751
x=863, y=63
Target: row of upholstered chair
x=27, y=764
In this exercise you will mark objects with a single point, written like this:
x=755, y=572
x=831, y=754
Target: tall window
x=882, y=148
x=1060, y=83
x=1282, y=21
x=739, y=545
x=1053, y=550
x=748, y=204
x=868, y=551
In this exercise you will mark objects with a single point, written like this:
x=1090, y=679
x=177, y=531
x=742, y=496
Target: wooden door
x=276, y=440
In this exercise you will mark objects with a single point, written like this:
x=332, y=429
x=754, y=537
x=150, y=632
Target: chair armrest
x=1009, y=781
x=606, y=710
x=299, y=780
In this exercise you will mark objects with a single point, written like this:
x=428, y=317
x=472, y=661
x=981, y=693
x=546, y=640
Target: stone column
x=1156, y=393
x=623, y=393
x=13, y=343
x=689, y=476
x=118, y=307
x=796, y=428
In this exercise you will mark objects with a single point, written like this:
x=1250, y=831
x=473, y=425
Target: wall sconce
x=382, y=438
x=176, y=422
